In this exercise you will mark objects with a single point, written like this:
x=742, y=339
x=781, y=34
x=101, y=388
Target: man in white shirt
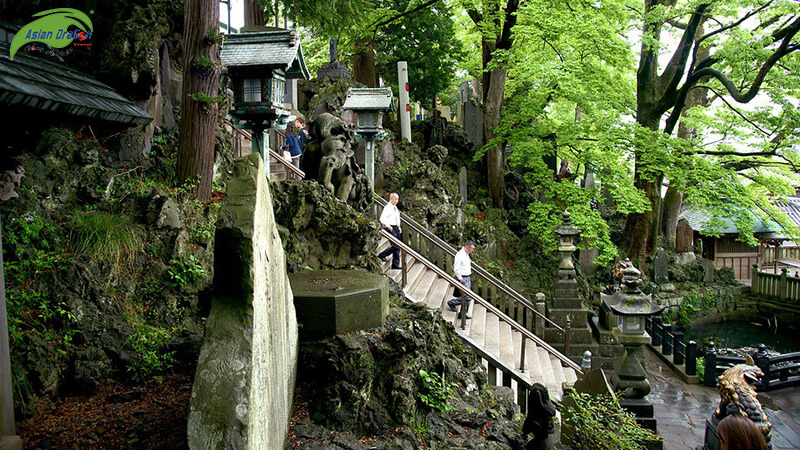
x=390, y=219
x=462, y=267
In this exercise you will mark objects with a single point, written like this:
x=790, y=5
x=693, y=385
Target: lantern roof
x=369, y=99
x=265, y=47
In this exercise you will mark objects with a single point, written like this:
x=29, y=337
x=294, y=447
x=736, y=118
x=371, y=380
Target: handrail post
x=463, y=309
x=782, y=284
x=761, y=359
x=538, y=320
x=666, y=347
x=710, y=376
x=403, y=268
x=658, y=332
x=522, y=356
x=754, y=282
x=691, y=358
x=678, y=355
x=567, y=336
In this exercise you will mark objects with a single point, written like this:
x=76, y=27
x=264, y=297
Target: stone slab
x=330, y=302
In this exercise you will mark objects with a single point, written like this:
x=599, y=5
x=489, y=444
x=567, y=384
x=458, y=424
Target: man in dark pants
x=390, y=219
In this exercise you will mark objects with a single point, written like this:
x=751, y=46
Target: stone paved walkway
x=681, y=409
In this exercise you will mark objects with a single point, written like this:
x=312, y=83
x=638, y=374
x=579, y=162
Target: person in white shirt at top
x=390, y=219
x=462, y=267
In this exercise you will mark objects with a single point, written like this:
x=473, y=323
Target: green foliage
x=437, y=392
x=206, y=99
x=32, y=249
x=425, y=39
x=183, y=273
x=693, y=305
x=109, y=238
x=146, y=344
x=599, y=422
x=701, y=367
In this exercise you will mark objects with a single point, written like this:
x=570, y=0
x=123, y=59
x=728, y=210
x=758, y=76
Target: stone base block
x=330, y=302
x=577, y=336
x=578, y=317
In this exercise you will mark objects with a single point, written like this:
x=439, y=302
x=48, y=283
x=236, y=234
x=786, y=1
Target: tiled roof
x=791, y=207
x=31, y=81
x=277, y=49
x=368, y=98
x=701, y=221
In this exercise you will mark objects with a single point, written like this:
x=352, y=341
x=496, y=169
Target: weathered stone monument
x=567, y=305
x=333, y=68
x=243, y=387
x=330, y=302
x=660, y=271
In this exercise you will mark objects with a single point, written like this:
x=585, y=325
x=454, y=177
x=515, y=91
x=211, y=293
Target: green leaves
x=437, y=392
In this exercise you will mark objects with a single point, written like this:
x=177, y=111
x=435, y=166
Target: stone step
x=570, y=376
x=577, y=336
x=533, y=367
x=507, y=344
x=414, y=283
x=435, y=298
x=477, y=325
x=492, y=334
x=516, y=341
x=424, y=285
x=548, y=377
x=413, y=274
x=558, y=370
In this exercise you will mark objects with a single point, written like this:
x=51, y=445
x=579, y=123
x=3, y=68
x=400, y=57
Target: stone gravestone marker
x=661, y=274
x=709, y=275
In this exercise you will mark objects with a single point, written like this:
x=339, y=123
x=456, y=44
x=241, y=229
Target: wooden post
x=783, y=284
x=6, y=393
x=567, y=335
x=754, y=283
x=710, y=376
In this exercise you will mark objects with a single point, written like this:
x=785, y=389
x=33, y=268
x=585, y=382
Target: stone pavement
x=682, y=409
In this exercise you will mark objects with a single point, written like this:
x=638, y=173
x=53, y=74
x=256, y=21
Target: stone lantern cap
x=374, y=99
x=566, y=229
x=631, y=301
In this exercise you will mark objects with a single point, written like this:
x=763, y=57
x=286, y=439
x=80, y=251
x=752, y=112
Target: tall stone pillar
x=567, y=304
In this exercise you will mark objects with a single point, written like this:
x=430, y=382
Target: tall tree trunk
x=673, y=202
x=201, y=72
x=492, y=104
x=254, y=13
x=364, y=64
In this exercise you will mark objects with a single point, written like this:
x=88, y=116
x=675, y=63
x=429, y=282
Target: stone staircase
x=487, y=330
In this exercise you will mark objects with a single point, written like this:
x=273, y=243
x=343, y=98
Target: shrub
x=146, y=344
x=108, y=238
x=436, y=391
x=183, y=273
x=599, y=422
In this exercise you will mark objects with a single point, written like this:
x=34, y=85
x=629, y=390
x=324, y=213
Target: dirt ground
x=151, y=416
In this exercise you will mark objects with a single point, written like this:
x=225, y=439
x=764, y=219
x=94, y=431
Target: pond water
x=742, y=333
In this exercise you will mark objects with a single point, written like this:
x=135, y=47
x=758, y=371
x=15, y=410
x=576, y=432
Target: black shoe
x=453, y=305
x=396, y=268
x=468, y=316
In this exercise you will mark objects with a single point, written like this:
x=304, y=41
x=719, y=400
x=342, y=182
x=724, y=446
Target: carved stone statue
x=329, y=158
x=738, y=396
x=539, y=420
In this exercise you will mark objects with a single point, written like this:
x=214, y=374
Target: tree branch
x=784, y=49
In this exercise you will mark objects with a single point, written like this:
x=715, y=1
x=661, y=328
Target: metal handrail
x=518, y=298
x=485, y=303
x=272, y=153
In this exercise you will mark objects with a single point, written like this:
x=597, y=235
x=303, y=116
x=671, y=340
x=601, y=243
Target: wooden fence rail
x=782, y=287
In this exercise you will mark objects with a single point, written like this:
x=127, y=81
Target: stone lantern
x=632, y=306
x=567, y=233
x=258, y=64
x=369, y=104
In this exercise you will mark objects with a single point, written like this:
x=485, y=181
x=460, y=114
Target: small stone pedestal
x=330, y=302
x=631, y=377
